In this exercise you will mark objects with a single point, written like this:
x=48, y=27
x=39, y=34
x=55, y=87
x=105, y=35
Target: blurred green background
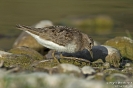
x=101, y=19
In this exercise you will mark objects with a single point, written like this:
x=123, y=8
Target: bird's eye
x=90, y=43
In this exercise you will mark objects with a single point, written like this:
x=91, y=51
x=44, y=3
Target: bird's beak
x=91, y=53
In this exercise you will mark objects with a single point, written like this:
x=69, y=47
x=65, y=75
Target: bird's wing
x=59, y=34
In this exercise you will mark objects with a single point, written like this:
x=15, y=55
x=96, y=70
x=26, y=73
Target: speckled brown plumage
x=63, y=36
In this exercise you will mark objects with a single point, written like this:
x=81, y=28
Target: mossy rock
x=70, y=60
x=13, y=60
x=111, y=71
x=116, y=77
x=123, y=44
x=27, y=51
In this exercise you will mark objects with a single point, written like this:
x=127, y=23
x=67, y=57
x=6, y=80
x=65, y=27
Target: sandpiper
x=60, y=38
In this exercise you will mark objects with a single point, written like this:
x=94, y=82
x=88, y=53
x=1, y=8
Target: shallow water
x=30, y=12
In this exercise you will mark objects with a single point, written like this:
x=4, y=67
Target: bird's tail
x=23, y=27
x=28, y=29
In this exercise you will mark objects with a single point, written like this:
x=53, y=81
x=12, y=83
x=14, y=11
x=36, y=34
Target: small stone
x=106, y=65
x=113, y=57
x=97, y=76
x=127, y=65
x=70, y=69
x=128, y=71
x=88, y=70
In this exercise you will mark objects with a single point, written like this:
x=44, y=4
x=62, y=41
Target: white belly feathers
x=51, y=45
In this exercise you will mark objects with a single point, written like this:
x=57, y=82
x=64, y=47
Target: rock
x=13, y=60
x=86, y=84
x=43, y=80
x=117, y=77
x=113, y=56
x=106, y=65
x=70, y=69
x=22, y=57
x=128, y=69
x=87, y=70
x=97, y=76
x=106, y=53
x=50, y=62
x=96, y=43
x=127, y=65
x=123, y=44
x=43, y=23
x=111, y=71
x=3, y=53
x=27, y=51
x=26, y=40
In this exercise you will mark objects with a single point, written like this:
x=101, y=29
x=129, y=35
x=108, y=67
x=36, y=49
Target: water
x=29, y=12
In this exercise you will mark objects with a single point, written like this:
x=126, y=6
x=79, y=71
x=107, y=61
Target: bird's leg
x=53, y=54
x=61, y=56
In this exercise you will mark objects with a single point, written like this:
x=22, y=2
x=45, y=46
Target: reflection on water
x=63, y=12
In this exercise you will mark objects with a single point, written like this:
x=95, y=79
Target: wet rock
x=26, y=40
x=105, y=53
x=123, y=44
